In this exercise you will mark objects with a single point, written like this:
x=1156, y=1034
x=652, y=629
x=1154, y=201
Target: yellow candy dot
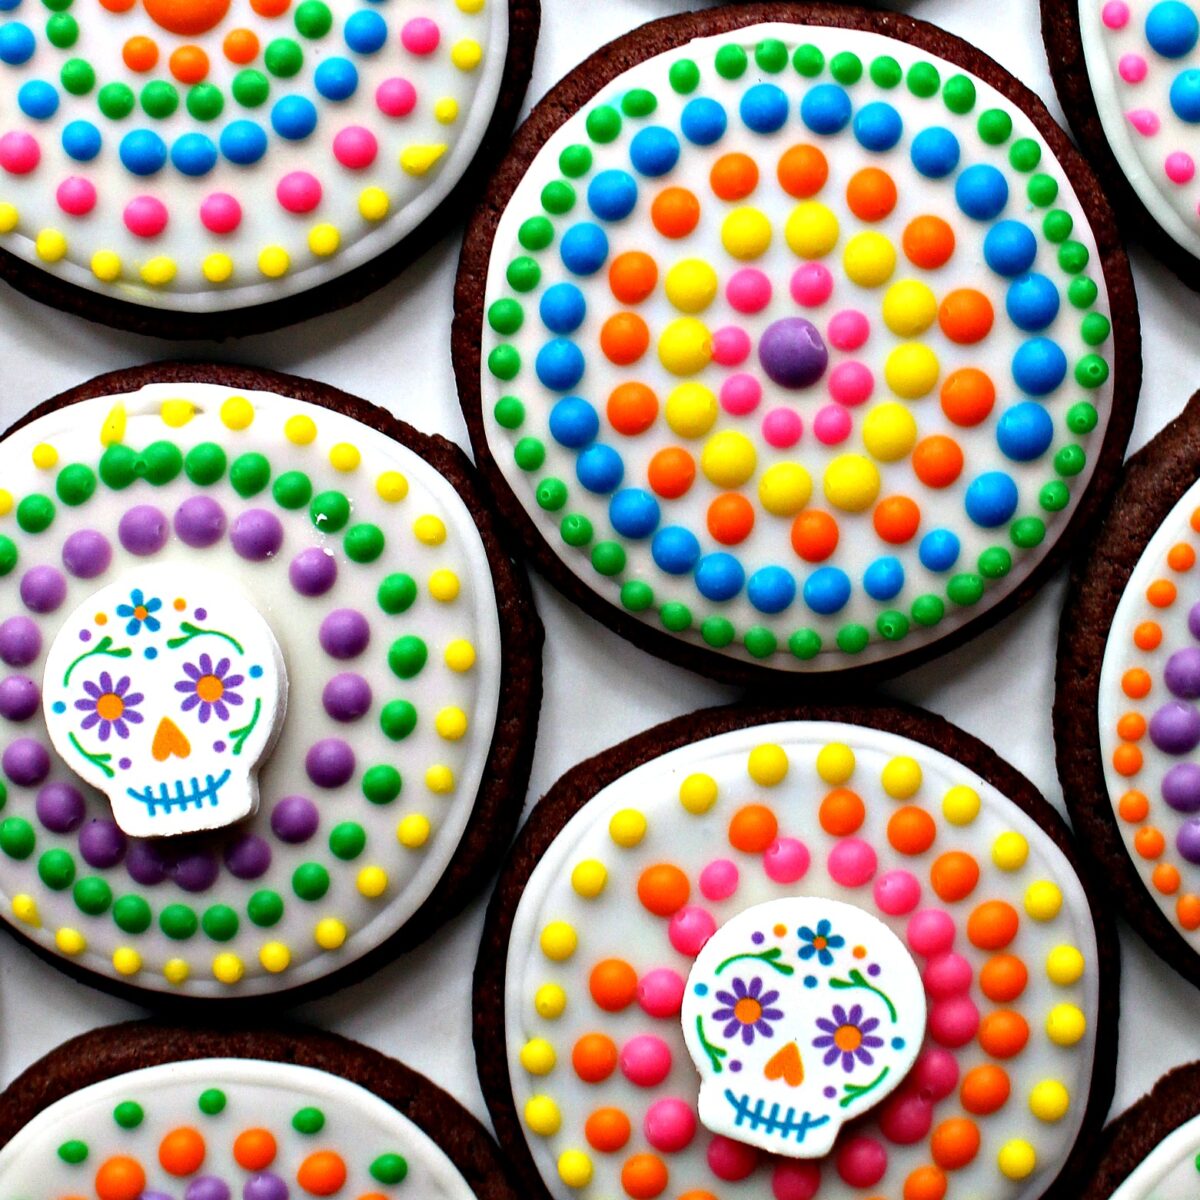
x=371, y=882
x=1065, y=1024
x=835, y=763
x=275, y=957
x=768, y=764
x=273, y=261
x=8, y=218
x=217, y=267
x=542, y=1116
x=345, y=457
x=559, y=941
x=450, y=723
x=960, y=805
x=237, y=413
x=1017, y=1159
x=51, y=245
x=330, y=933
x=691, y=410
x=627, y=828
x=470, y=6
x=391, y=487
x=177, y=413
x=851, y=482
x=911, y=370
x=1049, y=1100
x=445, y=110
x=1043, y=900
x=691, y=285
x=909, y=308
x=444, y=586
x=44, y=456
x=106, y=266
x=419, y=160
x=176, y=971
x=589, y=878
x=126, y=961
x=460, y=655
x=70, y=941
x=466, y=54
x=1064, y=965
x=685, y=346
x=538, y=1057
x=413, y=831
x=1009, y=851
x=812, y=230
x=300, y=430
x=746, y=233
x=869, y=259
x=901, y=777
x=889, y=431
x=698, y=793
x=373, y=203
x=439, y=779
x=728, y=458
x=25, y=909
x=550, y=1001
x=228, y=968
x=112, y=432
x=785, y=489
x=324, y=240
x=6, y=502
x=158, y=271
x=575, y=1168
x=429, y=530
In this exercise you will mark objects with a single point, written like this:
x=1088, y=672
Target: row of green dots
x=62, y=31
x=308, y=1120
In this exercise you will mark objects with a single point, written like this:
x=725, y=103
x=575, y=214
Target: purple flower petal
x=121, y=728
x=723, y=1014
x=92, y=721
x=122, y=686
x=206, y=666
x=191, y=671
x=839, y=1015
x=205, y=713
x=105, y=730
x=232, y=698
x=92, y=690
x=827, y=1025
x=731, y=1028
x=134, y=718
x=233, y=681
x=763, y=1029
x=855, y=1015
x=768, y=998
x=727, y=998
x=869, y=1024
x=191, y=702
x=748, y=1034
x=755, y=987
x=220, y=709
x=773, y=1014
x=739, y=989
x=831, y=1056
x=106, y=685
x=847, y=1062
x=873, y=1042
x=133, y=699
x=865, y=1056
x=222, y=668
x=821, y=1042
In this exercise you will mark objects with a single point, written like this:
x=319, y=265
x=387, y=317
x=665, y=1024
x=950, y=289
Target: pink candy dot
x=796, y=1180
x=931, y=931
x=1115, y=14
x=420, y=36
x=719, y=880
x=1144, y=121
x=145, y=216
x=947, y=975
x=76, y=195
x=786, y=860
x=740, y=394
x=812, y=284
x=299, y=192
x=731, y=346
x=395, y=97
x=645, y=1060
x=670, y=1125
x=897, y=893
x=220, y=213
x=852, y=862
x=851, y=383
x=782, y=427
x=848, y=329
x=953, y=1022
x=660, y=992
x=690, y=928
x=906, y=1118
x=1132, y=68
x=355, y=147
x=862, y=1162
x=748, y=290
x=1180, y=167
x=19, y=153
x=832, y=425
x=935, y=1073
x=730, y=1160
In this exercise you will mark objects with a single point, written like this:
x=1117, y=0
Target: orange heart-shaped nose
x=170, y=739
x=787, y=1065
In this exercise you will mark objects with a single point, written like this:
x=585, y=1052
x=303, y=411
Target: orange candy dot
x=322, y=1173
x=814, y=535
x=896, y=519
x=1148, y=635
x=675, y=212
x=925, y=1183
x=753, y=828
x=937, y=461
x=697, y=1195
x=871, y=194
x=1135, y=683
x=181, y=1151
x=270, y=8
x=624, y=338
x=1161, y=593
x=1149, y=842
x=117, y=5
x=632, y=276
x=613, y=984
x=730, y=518
x=140, y=53
x=1166, y=879
x=802, y=171
x=911, y=830
x=954, y=875
x=968, y=395
x=1181, y=557
x=928, y=242
x=671, y=472
x=1187, y=911
x=120, y=1178
x=1003, y=978
x=254, y=1149
x=594, y=1058
x=966, y=316
x=1134, y=807
x=644, y=1176
x=733, y=176
x=1131, y=727
x=189, y=64
x=240, y=46
x=632, y=408
x=1195, y=521
x=985, y=1089
x=1127, y=760
x=954, y=1143
x=663, y=889
x=607, y=1130
x=187, y=17
x=842, y=812
x=1003, y=1033
x=993, y=925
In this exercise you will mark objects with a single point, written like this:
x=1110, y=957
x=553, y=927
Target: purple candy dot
x=294, y=819
x=792, y=353
x=43, y=589
x=196, y=872
x=266, y=1186
x=1183, y=673
x=248, y=858
x=86, y=554
x=219, y=747
x=330, y=763
x=199, y=522
x=346, y=697
x=85, y=635
x=1181, y=787
x=60, y=807
x=148, y=1195
x=1175, y=728
x=345, y=633
x=206, y=1187
x=143, y=530
x=757, y=938
x=19, y=697
x=1194, y=620
x=144, y=863
x=735, y=1065
x=20, y=641
x=202, y=614
x=313, y=571
x=1187, y=840
x=26, y=762
x=257, y=534
x=102, y=844
x=830, y=1093
x=124, y=763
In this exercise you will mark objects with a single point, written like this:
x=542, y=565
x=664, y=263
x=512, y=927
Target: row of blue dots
x=365, y=32
x=336, y=79
x=17, y=43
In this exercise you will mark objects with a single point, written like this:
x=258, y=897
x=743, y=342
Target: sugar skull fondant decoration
x=165, y=690
x=800, y=1014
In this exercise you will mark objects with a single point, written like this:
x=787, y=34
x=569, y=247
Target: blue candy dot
x=1024, y=431
x=938, y=550
x=991, y=499
x=562, y=308
x=9, y=5
x=336, y=79
x=825, y=108
x=719, y=576
x=877, y=126
x=1032, y=302
x=17, y=43
x=194, y=154
x=771, y=589
x=365, y=32
x=884, y=578
x=584, y=248
x=810, y=981
x=826, y=590
x=701, y=989
x=1172, y=28
x=38, y=99
x=600, y=469
x=612, y=195
x=703, y=121
x=59, y=707
x=1009, y=248
x=898, y=1043
x=1185, y=96
x=634, y=513
x=1039, y=366
x=935, y=152
x=294, y=117
x=981, y=191
x=654, y=151
x=243, y=142
x=764, y=107
x=151, y=653
x=256, y=672
x=559, y=365
x=574, y=423
x=143, y=152
x=675, y=550
x=81, y=141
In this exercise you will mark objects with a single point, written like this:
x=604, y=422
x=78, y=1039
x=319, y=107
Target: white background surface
x=394, y=349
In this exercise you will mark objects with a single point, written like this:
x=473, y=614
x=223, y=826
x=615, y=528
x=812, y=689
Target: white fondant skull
x=800, y=1014
x=165, y=690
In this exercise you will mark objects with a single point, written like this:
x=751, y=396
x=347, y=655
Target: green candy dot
x=523, y=274
x=115, y=100
x=573, y=162
x=846, y=67
x=536, y=233
x=558, y=197
x=57, y=5
x=1054, y=497
x=1073, y=257
x=892, y=625
x=771, y=55
x=853, y=639
x=363, y=543
x=1091, y=371
x=1095, y=328
x=308, y=1121
x=551, y=494
x=1082, y=417
x=995, y=562
x=93, y=896
x=684, y=76
x=675, y=616
x=250, y=88
x=529, y=453
x=1057, y=225
x=17, y=838
x=132, y=914
x=73, y=1152
x=56, y=868
x=608, y=558
x=923, y=79
x=249, y=474
x=205, y=101
x=219, y=922
x=398, y=719
x=118, y=467
x=886, y=72
x=1027, y=532
x=329, y=511
x=204, y=464
x=965, y=589
x=995, y=126
x=313, y=19
x=1024, y=154
x=390, y=1168
x=717, y=632
x=159, y=99
x=283, y=58
x=179, y=922
x=509, y=412
x=347, y=840
x=76, y=484
x=805, y=644
x=8, y=554
x=35, y=513
x=760, y=642
x=265, y=908
x=603, y=124
x=62, y=31
x=293, y=489
x=396, y=593
x=639, y=102
x=78, y=76
x=636, y=595
x=928, y=610
x=3, y=793
x=162, y=462
x=506, y=316
x=576, y=529
x=1042, y=190
x=407, y=656
x=310, y=881
x=959, y=94
x=1082, y=292
x=504, y=362
x=129, y=1114
x=1070, y=460
x=731, y=62
x=382, y=784
x=212, y=1102
x=808, y=60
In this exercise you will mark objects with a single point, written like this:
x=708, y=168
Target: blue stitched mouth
x=183, y=794
x=785, y=1124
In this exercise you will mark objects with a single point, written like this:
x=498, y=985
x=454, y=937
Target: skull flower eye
x=110, y=705
x=210, y=687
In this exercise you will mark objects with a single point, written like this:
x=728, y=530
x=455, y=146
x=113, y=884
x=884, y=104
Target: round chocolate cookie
x=797, y=952
x=159, y=1112
x=166, y=165
x=1125, y=719
x=795, y=339
x=258, y=727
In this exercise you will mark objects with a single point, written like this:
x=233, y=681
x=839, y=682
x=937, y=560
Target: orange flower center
x=747, y=1010
x=110, y=706
x=141, y=612
x=210, y=689
x=819, y=943
x=847, y=1038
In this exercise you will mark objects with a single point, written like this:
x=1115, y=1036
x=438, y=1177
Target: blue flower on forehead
x=140, y=611
x=819, y=942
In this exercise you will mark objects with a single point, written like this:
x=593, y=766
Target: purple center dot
x=248, y=858
x=102, y=844
x=792, y=353
x=1194, y=620
x=206, y=1187
x=313, y=571
x=143, y=530
x=345, y=633
x=330, y=763
x=257, y=534
x=26, y=762
x=1187, y=840
x=266, y=1186
x=19, y=697
x=20, y=641
x=60, y=807
x=1175, y=727
x=196, y=872
x=86, y=554
x=1182, y=673
x=43, y=589
x=1181, y=787
x=346, y=697
x=199, y=522
x=144, y=863
x=294, y=819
